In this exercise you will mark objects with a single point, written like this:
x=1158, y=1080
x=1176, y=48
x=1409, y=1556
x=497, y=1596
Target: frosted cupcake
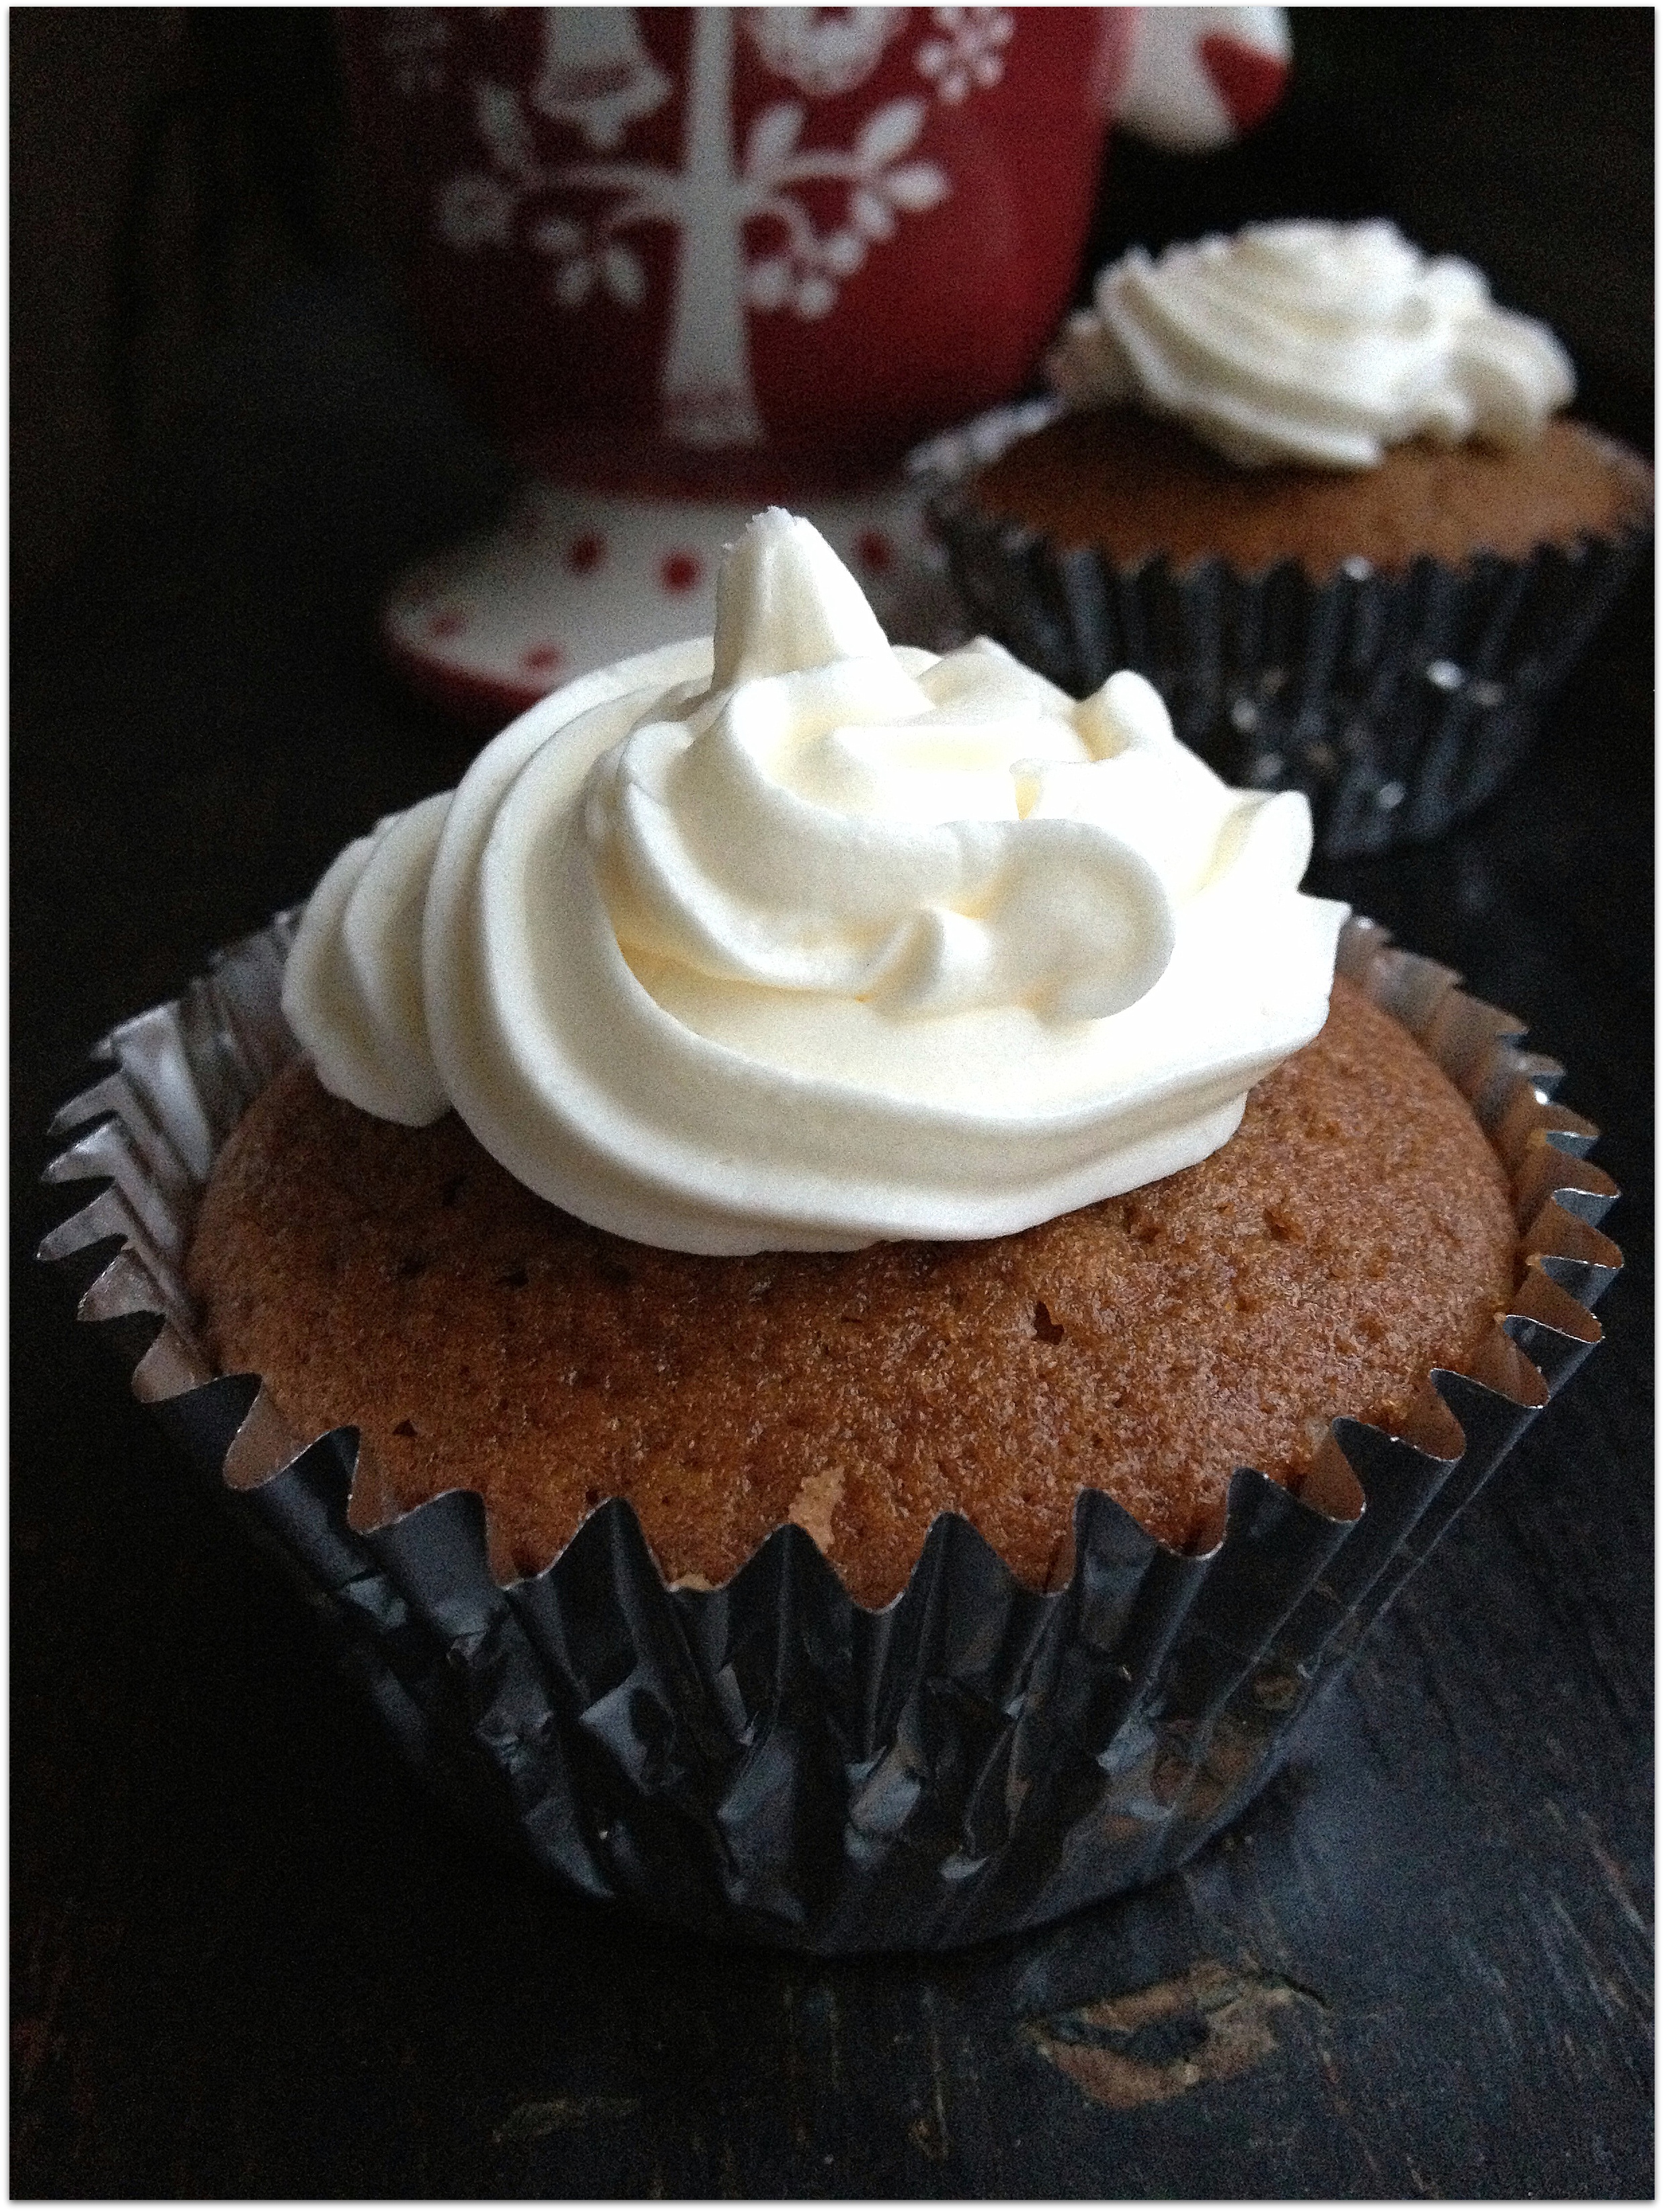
x=845, y=1255
x=851, y=1049
x=1320, y=488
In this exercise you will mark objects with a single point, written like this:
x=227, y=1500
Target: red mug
x=740, y=253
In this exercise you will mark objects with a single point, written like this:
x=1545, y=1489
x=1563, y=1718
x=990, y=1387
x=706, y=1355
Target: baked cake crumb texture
x=1354, y=1233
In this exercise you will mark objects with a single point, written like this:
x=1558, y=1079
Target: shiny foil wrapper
x=771, y=1760
x=1398, y=703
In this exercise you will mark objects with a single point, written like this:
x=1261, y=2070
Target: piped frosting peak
x=792, y=938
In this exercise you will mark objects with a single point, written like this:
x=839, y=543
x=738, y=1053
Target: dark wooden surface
x=251, y=1961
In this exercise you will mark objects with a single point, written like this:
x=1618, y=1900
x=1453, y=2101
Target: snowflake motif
x=415, y=40
x=970, y=53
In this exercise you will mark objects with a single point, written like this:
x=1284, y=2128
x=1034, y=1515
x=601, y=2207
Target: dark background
x=249, y=1960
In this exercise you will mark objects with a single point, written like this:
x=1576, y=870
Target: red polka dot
x=585, y=553
x=540, y=659
x=873, y=551
x=679, y=572
x=447, y=622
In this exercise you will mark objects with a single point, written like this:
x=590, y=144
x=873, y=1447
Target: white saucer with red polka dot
x=574, y=580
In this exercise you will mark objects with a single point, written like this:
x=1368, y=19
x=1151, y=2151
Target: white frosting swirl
x=796, y=940
x=1317, y=342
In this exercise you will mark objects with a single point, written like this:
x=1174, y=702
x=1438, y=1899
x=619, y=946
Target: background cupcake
x=1316, y=486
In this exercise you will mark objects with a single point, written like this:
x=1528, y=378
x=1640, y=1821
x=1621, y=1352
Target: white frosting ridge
x=794, y=939
x=1321, y=343
x=355, y=969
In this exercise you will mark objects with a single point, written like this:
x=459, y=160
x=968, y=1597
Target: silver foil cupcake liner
x=771, y=1760
x=1398, y=703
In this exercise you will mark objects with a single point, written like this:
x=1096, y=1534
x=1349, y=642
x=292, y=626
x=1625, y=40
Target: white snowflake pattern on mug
x=971, y=52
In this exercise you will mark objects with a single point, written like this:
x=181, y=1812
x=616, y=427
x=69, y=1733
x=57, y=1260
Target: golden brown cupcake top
x=1137, y=488
x=1356, y=1232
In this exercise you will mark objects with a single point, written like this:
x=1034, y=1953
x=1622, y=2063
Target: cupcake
x=1319, y=489
x=842, y=1310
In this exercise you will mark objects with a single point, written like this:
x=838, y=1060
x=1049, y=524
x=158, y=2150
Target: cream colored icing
x=794, y=939
x=1321, y=343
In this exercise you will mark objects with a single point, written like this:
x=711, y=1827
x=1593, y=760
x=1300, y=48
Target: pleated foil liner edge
x=1399, y=704
x=771, y=1760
